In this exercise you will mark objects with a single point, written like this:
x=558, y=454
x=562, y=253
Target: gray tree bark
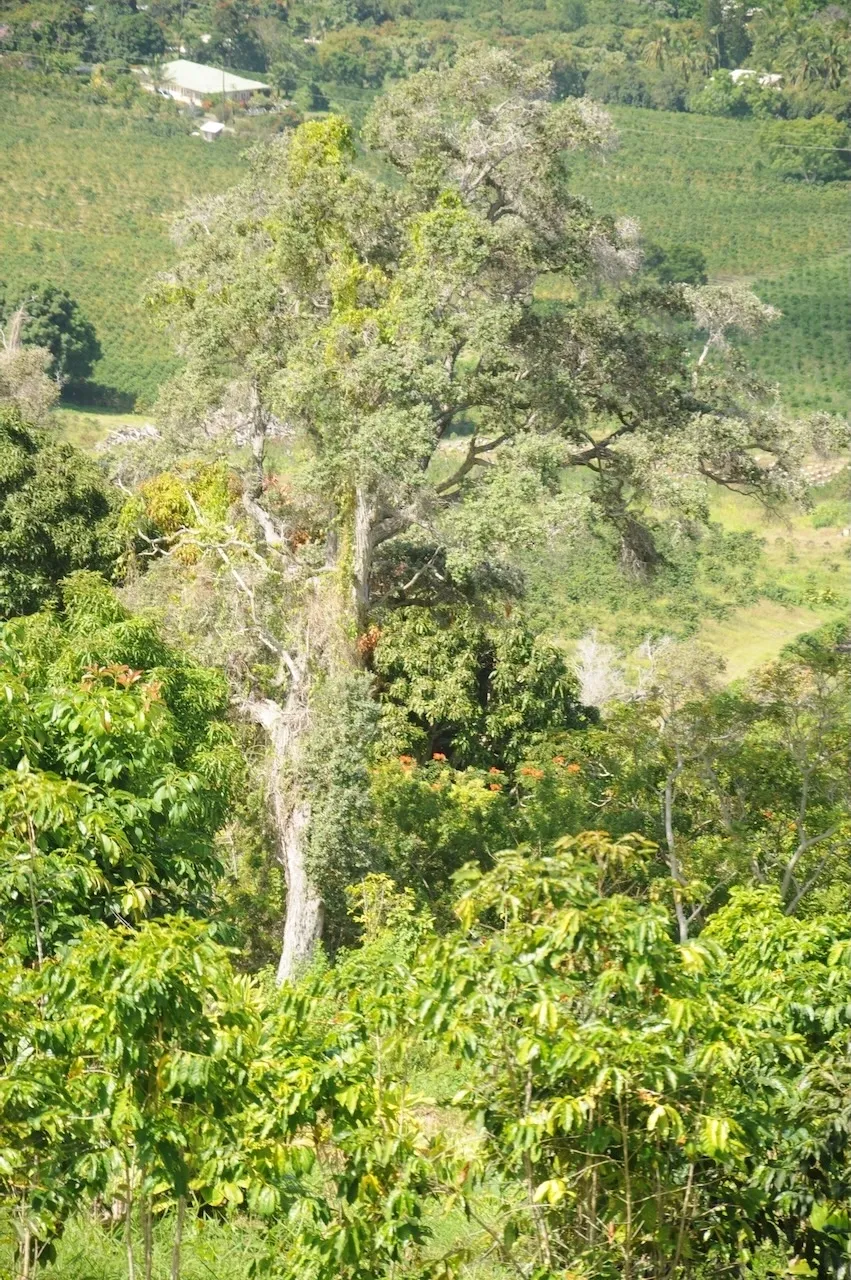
x=286, y=726
x=364, y=545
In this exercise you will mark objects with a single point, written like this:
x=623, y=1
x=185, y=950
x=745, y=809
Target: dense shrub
x=56, y=515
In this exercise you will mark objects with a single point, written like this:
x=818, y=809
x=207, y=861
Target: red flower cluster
x=119, y=672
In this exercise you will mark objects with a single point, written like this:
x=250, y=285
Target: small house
x=210, y=130
x=193, y=82
x=767, y=79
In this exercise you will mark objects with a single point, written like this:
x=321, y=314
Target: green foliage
x=309, y=97
x=56, y=322
x=116, y=766
x=622, y=1097
x=477, y=693
x=335, y=769
x=723, y=96
x=831, y=514
x=678, y=264
x=700, y=577
x=132, y=36
x=56, y=515
x=815, y=150
x=677, y=173
x=635, y=1067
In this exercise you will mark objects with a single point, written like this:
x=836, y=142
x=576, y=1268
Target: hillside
x=92, y=213
x=425, y=748
x=689, y=179
x=87, y=197
x=705, y=181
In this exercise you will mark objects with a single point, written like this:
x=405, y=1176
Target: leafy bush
x=114, y=772
x=831, y=514
x=472, y=692
x=57, y=514
x=814, y=150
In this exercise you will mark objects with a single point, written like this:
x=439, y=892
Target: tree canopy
x=53, y=320
x=385, y=334
x=57, y=514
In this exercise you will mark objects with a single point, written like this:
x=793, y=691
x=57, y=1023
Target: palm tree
x=832, y=60
x=656, y=50
x=796, y=57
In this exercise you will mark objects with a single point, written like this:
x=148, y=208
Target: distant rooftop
x=182, y=74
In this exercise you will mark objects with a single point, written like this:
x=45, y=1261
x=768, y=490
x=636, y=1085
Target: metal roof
x=212, y=126
x=194, y=76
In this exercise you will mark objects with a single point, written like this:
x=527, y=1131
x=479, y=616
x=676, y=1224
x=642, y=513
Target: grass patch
x=85, y=427
x=746, y=587
x=750, y=637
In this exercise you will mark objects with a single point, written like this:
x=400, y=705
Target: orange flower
x=493, y=769
x=438, y=755
x=494, y=786
x=573, y=768
x=532, y=773
x=406, y=760
x=558, y=759
x=367, y=641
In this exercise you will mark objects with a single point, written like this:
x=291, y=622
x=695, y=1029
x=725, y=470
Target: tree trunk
x=365, y=515
x=128, y=1228
x=674, y=868
x=288, y=723
x=286, y=726
x=305, y=912
x=147, y=1236
x=178, y=1238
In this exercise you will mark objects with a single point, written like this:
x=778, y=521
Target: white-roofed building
x=210, y=130
x=766, y=78
x=193, y=82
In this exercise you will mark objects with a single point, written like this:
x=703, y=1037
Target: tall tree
x=52, y=319
x=385, y=335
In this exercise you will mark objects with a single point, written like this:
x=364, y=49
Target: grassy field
x=704, y=181
x=87, y=196
x=86, y=427
x=747, y=587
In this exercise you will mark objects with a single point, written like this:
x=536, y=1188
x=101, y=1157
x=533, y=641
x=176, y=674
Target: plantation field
x=89, y=192
x=87, y=196
x=808, y=351
x=703, y=180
